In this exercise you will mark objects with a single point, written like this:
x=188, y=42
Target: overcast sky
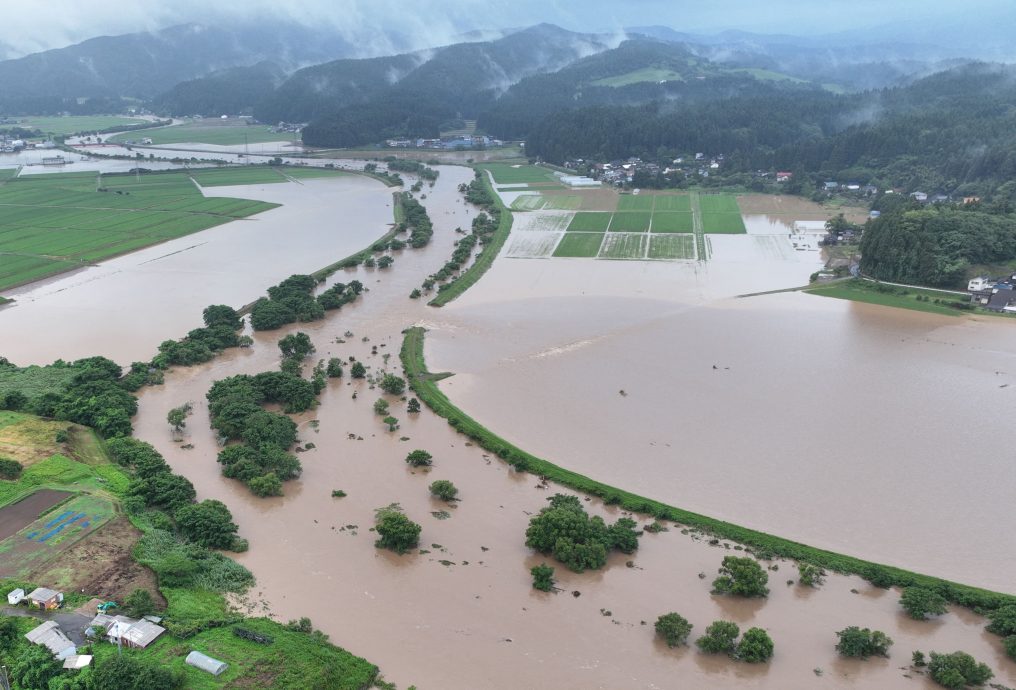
x=31, y=25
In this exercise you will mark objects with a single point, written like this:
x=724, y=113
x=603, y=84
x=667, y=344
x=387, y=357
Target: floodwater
x=124, y=307
x=464, y=615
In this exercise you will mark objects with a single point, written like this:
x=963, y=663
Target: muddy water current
x=542, y=349
x=858, y=428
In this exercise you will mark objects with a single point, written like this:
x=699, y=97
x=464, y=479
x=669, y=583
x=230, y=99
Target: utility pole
x=4, y=683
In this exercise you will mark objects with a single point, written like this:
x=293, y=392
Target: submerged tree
x=395, y=531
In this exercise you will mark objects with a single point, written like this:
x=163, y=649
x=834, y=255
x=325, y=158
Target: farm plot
x=71, y=124
x=672, y=222
x=579, y=244
x=718, y=203
x=533, y=245
x=671, y=247
x=722, y=223
x=506, y=173
x=633, y=202
x=528, y=202
x=222, y=177
x=55, y=223
x=562, y=202
x=631, y=221
x=7, y=173
x=588, y=221
x=208, y=132
x=624, y=246
x=546, y=222
x=43, y=538
x=18, y=515
x=673, y=202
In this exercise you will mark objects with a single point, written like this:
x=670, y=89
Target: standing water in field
x=468, y=587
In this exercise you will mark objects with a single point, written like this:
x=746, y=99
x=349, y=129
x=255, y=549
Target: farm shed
x=14, y=598
x=133, y=633
x=44, y=598
x=77, y=661
x=50, y=636
x=206, y=663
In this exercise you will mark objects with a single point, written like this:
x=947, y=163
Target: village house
x=50, y=636
x=127, y=631
x=43, y=598
x=919, y=196
x=784, y=176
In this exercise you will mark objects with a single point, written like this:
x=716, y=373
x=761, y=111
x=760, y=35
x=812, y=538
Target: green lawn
x=888, y=296
x=72, y=124
x=671, y=247
x=55, y=223
x=589, y=221
x=673, y=202
x=631, y=221
x=672, y=222
x=505, y=173
x=207, y=133
x=723, y=224
x=635, y=202
x=718, y=203
x=624, y=246
x=653, y=74
x=579, y=244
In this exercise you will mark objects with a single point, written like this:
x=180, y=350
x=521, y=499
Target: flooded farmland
x=124, y=307
x=790, y=413
x=602, y=326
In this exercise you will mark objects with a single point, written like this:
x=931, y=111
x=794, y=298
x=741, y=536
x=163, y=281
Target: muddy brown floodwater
x=543, y=353
x=124, y=307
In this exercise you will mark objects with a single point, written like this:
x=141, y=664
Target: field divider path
x=701, y=253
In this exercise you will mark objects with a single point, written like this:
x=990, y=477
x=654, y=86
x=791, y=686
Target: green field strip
x=701, y=251
x=718, y=203
x=630, y=221
x=528, y=202
x=672, y=202
x=589, y=221
x=505, y=173
x=579, y=244
x=723, y=224
x=635, y=202
x=672, y=222
x=562, y=202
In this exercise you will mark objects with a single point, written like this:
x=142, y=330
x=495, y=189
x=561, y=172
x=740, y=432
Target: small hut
x=206, y=663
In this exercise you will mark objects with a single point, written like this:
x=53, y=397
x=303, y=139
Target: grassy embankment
x=209, y=132
x=486, y=257
x=424, y=384
x=917, y=299
x=72, y=124
x=197, y=616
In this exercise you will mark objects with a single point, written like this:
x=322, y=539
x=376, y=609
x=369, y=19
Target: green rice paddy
x=55, y=223
x=579, y=244
x=672, y=222
x=718, y=203
x=631, y=221
x=588, y=221
x=722, y=223
x=672, y=202
x=207, y=133
x=506, y=173
x=72, y=124
x=632, y=202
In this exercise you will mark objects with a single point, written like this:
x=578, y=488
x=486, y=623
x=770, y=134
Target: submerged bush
x=857, y=642
x=673, y=628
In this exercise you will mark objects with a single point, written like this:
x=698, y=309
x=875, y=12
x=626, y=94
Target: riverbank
x=928, y=300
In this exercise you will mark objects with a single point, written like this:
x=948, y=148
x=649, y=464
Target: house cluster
x=996, y=294
x=9, y=145
x=622, y=171
x=288, y=128
x=478, y=141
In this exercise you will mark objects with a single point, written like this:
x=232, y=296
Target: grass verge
x=930, y=301
x=486, y=257
x=766, y=546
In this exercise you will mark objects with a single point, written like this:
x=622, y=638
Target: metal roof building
x=50, y=636
x=133, y=633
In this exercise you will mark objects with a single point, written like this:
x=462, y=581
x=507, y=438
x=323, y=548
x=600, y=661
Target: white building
x=14, y=598
x=133, y=633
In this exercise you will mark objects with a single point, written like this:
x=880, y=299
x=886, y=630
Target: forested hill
x=951, y=132
x=233, y=91
x=142, y=65
x=637, y=71
x=458, y=81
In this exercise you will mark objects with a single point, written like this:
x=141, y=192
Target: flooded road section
x=463, y=615
x=124, y=307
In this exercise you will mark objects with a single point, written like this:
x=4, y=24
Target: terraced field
x=55, y=223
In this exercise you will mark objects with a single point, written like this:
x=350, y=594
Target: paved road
x=72, y=624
